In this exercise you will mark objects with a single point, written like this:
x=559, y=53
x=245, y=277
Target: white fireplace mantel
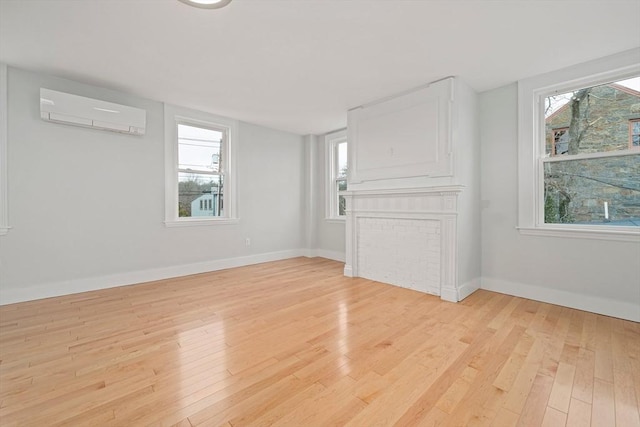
x=404, y=237
x=413, y=200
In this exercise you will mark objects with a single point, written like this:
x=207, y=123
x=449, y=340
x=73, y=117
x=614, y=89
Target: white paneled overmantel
x=413, y=199
x=405, y=237
x=405, y=136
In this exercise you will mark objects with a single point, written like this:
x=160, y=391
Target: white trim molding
x=195, y=222
x=78, y=285
x=577, y=231
x=628, y=310
x=323, y=253
x=4, y=176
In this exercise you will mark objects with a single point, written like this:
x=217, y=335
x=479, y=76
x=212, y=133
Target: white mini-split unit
x=77, y=110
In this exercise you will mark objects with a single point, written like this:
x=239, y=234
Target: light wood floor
x=294, y=343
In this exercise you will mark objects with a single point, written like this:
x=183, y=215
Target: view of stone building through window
x=200, y=173
x=634, y=133
x=341, y=180
x=592, y=162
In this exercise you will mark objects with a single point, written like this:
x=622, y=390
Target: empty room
x=320, y=213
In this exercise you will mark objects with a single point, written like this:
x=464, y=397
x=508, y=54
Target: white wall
x=594, y=275
x=86, y=207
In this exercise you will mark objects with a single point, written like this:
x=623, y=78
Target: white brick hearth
x=404, y=252
x=404, y=237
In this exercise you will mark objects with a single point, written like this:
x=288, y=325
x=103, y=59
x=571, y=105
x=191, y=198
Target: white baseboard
x=348, y=271
x=628, y=310
x=450, y=295
x=73, y=286
x=322, y=253
x=468, y=288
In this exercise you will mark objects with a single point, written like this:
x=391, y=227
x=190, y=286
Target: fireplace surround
x=404, y=237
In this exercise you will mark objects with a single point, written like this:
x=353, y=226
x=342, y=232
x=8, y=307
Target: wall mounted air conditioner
x=77, y=110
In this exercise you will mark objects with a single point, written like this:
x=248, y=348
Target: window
x=579, y=174
x=634, y=133
x=199, y=168
x=590, y=185
x=560, y=139
x=337, y=167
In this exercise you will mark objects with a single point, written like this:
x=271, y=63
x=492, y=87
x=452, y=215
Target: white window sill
x=4, y=231
x=625, y=234
x=336, y=220
x=189, y=222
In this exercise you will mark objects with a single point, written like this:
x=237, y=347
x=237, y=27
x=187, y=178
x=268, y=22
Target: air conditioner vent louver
x=60, y=107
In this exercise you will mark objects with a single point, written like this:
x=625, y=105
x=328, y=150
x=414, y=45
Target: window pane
x=200, y=195
x=199, y=149
x=560, y=141
x=635, y=133
x=342, y=160
x=342, y=202
x=593, y=119
x=575, y=191
x=342, y=206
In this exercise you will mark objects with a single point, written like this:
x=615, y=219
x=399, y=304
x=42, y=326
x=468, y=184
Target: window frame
x=531, y=144
x=332, y=142
x=174, y=116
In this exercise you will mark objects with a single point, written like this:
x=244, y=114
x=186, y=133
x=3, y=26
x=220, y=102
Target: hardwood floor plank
x=272, y=415
x=295, y=343
x=562, y=387
x=604, y=358
x=603, y=411
x=510, y=370
x=579, y=414
x=627, y=413
x=584, y=376
x=454, y=394
x=535, y=407
x=438, y=385
x=482, y=399
x=336, y=396
x=505, y=418
x=635, y=373
x=519, y=392
x=253, y=406
x=553, y=418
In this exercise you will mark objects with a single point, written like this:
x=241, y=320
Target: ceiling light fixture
x=207, y=4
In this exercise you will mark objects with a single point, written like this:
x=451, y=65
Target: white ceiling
x=299, y=65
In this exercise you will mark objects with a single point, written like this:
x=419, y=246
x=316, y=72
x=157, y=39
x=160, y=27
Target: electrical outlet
x=247, y=241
